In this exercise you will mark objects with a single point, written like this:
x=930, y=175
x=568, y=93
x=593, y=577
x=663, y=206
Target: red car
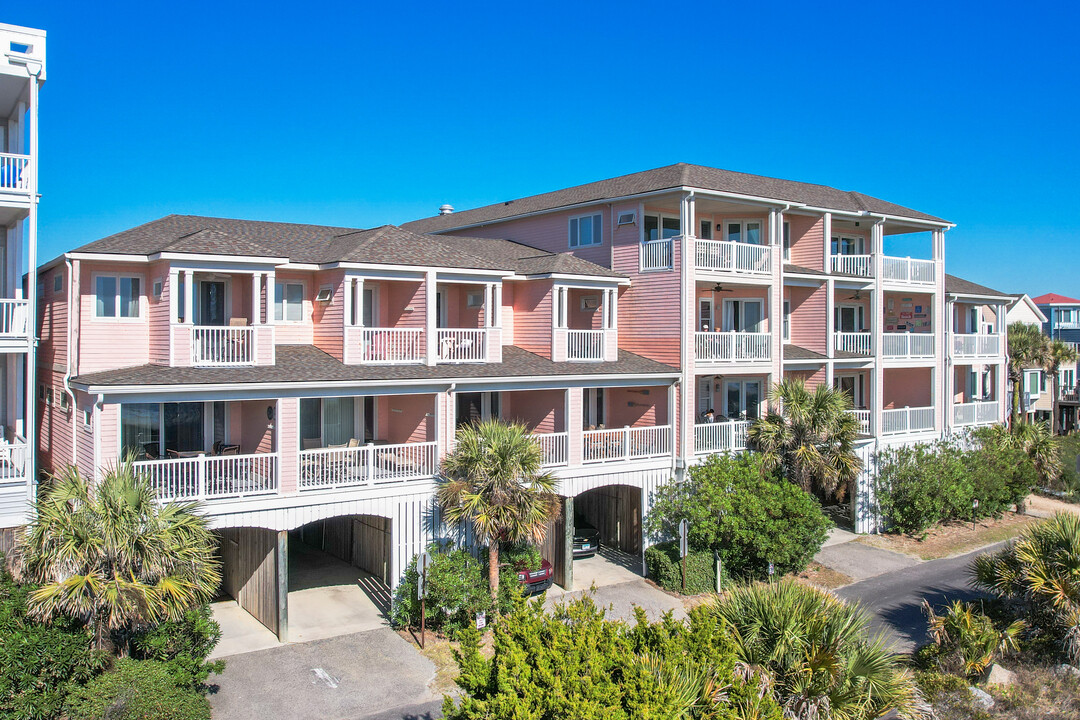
x=536, y=581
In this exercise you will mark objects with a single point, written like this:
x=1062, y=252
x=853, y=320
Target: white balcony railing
x=907, y=346
x=628, y=443
x=13, y=456
x=855, y=343
x=331, y=468
x=209, y=477
x=907, y=420
x=15, y=172
x=710, y=438
x=462, y=345
x=221, y=346
x=392, y=346
x=734, y=257
x=585, y=344
x=657, y=254
x=977, y=346
x=980, y=412
x=861, y=265
x=906, y=270
x=863, y=416
x=732, y=346
x=555, y=447
x=13, y=314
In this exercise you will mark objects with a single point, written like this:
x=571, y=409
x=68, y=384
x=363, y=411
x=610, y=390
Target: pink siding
x=54, y=425
x=52, y=321
x=550, y=232
x=297, y=333
x=109, y=343
x=542, y=411
x=329, y=318
x=109, y=440
x=395, y=297
x=85, y=435
x=631, y=406
x=507, y=314
x=458, y=312
x=649, y=310
x=809, y=307
x=160, y=313
x=812, y=378
x=411, y=424
x=578, y=319
x=255, y=433
x=807, y=241
x=907, y=387
x=532, y=316
x=288, y=423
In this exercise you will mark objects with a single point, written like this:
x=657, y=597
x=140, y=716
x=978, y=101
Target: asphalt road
x=895, y=599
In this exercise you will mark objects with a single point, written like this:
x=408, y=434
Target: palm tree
x=493, y=481
x=110, y=554
x=1034, y=439
x=1058, y=353
x=810, y=437
x=1027, y=349
x=816, y=652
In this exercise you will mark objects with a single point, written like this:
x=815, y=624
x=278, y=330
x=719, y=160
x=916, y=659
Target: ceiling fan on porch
x=856, y=296
x=720, y=288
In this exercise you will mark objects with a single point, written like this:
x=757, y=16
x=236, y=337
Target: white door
x=705, y=315
x=594, y=408
x=742, y=399
x=742, y=315
x=705, y=395
x=849, y=318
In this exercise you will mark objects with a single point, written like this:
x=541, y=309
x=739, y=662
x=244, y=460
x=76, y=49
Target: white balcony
x=13, y=460
x=13, y=326
x=718, y=437
x=732, y=347
x=906, y=270
x=462, y=345
x=983, y=412
x=366, y=465
x=907, y=420
x=222, y=346
x=555, y=447
x=861, y=265
x=15, y=173
x=722, y=256
x=585, y=344
x=977, y=346
x=624, y=444
x=212, y=477
x=854, y=343
x=907, y=346
x=863, y=416
x=657, y=255
x=391, y=346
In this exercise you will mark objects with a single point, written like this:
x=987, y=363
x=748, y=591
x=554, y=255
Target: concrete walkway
x=861, y=562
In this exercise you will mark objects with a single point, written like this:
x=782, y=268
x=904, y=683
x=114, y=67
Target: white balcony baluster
x=732, y=346
x=554, y=446
x=218, y=346
x=734, y=257
x=585, y=344
x=13, y=314
x=855, y=343
x=905, y=420
x=462, y=345
x=656, y=255
x=209, y=477
x=907, y=270
x=15, y=172
x=861, y=265
x=392, y=346
x=629, y=443
x=710, y=438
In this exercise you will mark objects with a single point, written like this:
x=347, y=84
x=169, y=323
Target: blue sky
x=360, y=114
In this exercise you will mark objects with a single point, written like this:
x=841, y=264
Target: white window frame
x=787, y=321
x=117, y=276
x=861, y=241
x=58, y=283
x=742, y=223
x=742, y=310
x=786, y=241
x=859, y=312
x=742, y=383
x=589, y=415
x=660, y=217
x=857, y=383
x=573, y=227
x=284, y=302
x=702, y=222
x=1028, y=384
x=711, y=303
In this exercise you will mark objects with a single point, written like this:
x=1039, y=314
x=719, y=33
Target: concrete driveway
x=373, y=674
x=861, y=562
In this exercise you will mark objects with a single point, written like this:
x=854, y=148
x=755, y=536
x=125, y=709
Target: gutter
x=67, y=367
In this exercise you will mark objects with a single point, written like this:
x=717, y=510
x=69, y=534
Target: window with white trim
x=744, y=231
x=288, y=302
x=586, y=230
x=787, y=241
x=787, y=320
x=659, y=227
x=58, y=282
x=117, y=296
x=848, y=245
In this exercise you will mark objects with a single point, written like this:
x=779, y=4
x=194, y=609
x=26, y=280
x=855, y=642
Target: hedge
x=665, y=568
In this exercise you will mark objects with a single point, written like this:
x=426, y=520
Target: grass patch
x=1038, y=694
x=952, y=538
x=440, y=651
x=822, y=577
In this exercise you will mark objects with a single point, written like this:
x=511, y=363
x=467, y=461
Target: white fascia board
x=775, y=203
x=108, y=257
x=803, y=364
x=800, y=280
x=299, y=266
x=587, y=280
x=372, y=387
x=849, y=283
x=414, y=269
x=219, y=259
x=964, y=297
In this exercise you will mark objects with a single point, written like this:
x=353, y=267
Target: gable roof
x=672, y=177
x=1054, y=299
x=321, y=244
x=959, y=286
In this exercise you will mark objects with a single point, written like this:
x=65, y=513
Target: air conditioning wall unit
x=475, y=300
x=590, y=302
x=626, y=218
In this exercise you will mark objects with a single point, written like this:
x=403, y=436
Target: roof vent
x=446, y=209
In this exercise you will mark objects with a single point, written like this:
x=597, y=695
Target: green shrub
x=749, y=516
x=665, y=568
x=183, y=646
x=967, y=640
x=457, y=589
x=136, y=690
x=39, y=662
x=573, y=663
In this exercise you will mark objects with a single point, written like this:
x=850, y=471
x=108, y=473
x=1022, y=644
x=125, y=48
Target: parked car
x=586, y=538
x=536, y=581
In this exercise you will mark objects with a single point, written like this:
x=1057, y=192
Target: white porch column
x=271, y=291
x=826, y=223
x=489, y=309
x=347, y=297
x=688, y=216
x=877, y=320
x=174, y=286
x=256, y=299
x=830, y=318
x=496, y=304
x=430, y=321
x=189, y=297
x=358, y=301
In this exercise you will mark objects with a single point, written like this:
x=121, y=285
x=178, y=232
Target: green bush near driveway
x=665, y=568
x=136, y=690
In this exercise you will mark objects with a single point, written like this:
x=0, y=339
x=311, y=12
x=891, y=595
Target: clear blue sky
x=360, y=114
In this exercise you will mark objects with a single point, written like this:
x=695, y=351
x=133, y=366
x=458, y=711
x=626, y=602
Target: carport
x=327, y=578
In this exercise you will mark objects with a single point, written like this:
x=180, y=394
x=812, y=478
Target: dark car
x=536, y=581
x=586, y=538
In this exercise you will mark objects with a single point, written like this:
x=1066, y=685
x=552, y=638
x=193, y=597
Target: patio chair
x=238, y=322
x=230, y=450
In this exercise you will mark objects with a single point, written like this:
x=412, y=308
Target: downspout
x=67, y=366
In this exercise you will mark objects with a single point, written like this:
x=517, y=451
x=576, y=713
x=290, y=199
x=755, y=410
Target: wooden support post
x=281, y=554
x=568, y=540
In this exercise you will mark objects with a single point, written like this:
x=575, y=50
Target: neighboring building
x=22, y=72
x=1062, y=316
x=1022, y=309
x=1062, y=322
x=299, y=377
